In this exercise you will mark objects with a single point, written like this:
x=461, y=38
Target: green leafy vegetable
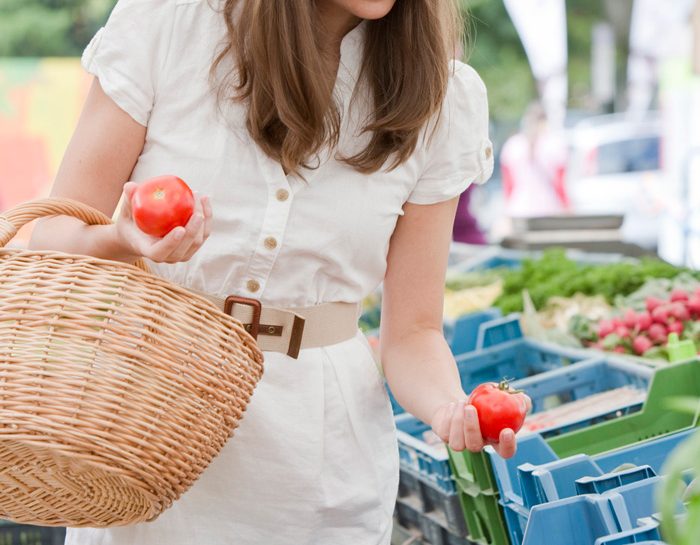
x=556, y=275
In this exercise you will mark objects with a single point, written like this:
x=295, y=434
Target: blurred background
x=593, y=106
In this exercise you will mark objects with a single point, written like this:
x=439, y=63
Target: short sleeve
x=128, y=54
x=459, y=151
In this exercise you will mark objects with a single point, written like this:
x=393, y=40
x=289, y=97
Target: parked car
x=615, y=168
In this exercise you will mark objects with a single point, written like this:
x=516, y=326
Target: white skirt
x=314, y=462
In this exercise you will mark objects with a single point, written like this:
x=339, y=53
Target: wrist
x=113, y=245
x=447, y=400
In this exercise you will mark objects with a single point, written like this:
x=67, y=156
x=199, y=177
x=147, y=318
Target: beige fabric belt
x=290, y=330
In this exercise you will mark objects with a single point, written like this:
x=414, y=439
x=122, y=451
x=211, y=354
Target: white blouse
x=277, y=238
x=314, y=461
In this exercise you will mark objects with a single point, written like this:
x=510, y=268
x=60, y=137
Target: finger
x=128, y=190
x=208, y=215
x=506, y=444
x=161, y=250
x=472, y=431
x=528, y=402
x=457, y=428
x=188, y=243
x=194, y=247
x=443, y=425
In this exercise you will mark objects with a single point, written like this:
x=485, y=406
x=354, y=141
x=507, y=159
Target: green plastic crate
x=654, y=420
x=473, y=473
x=485, y=522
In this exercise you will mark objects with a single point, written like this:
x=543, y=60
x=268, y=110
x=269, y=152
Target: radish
x=605, y=328
x=644, y=320
x=658, y=333
x=630, y=319
x=679, y=312
x=620, y=350
x=660, y=314
x=653, y=302
x=679, y=295
x=693, y=304
x=641, y=344
x=675, y=327
x=622, y=331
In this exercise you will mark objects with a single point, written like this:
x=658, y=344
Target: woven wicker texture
x=117, y=388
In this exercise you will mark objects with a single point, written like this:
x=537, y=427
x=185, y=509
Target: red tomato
x=499, y=408
x=161, y=204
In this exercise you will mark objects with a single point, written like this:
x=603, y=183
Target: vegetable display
x=555, y=275
x=647, y=332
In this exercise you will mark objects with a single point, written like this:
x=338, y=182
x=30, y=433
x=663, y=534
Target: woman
x=331, y=139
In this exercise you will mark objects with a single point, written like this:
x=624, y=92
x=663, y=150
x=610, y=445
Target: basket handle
x=16, y=218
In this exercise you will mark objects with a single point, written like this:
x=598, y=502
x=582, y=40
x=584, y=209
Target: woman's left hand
x=458, y=425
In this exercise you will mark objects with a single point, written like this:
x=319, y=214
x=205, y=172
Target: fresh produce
x=555, y=275
x=161, y=204
x=646, y=332
x=458, y=303
x=458, y=280
x=655, y=292
x=559, y=310
x=464, y=293
x=499, y=407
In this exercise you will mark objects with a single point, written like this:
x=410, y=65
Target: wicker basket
x=117, y=388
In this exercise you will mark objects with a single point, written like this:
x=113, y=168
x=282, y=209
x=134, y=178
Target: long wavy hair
x=292, y=114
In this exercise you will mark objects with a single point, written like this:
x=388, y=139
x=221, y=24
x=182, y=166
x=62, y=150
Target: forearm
x=422, y=373
x=71, y=236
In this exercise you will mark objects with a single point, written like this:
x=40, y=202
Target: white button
x=253, y=286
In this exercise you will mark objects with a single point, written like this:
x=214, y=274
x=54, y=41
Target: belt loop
x=296, y=337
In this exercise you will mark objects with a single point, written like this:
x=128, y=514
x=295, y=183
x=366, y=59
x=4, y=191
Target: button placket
x=271, y=235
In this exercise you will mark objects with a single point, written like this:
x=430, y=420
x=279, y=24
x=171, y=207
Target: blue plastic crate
x=463, y=332
x=648, y=529
x=499, y=258
x=432, y=500
x=409, y=516
x=530, y=484
x=428, y=461
x=606, y=519
x=565, y=384
x=535, y=463
x=24, y=534
x=493, y=258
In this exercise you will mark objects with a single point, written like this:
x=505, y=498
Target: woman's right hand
x=178, y=245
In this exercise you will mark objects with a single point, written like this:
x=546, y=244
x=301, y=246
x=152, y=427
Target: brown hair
x=291, y=111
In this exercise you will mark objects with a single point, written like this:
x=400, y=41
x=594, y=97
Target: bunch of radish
x=639, y=333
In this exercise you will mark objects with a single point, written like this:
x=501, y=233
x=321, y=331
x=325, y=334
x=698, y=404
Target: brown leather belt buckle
x=255, y=328
x=233, y=300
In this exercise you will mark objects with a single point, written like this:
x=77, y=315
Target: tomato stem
x=504, y=386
